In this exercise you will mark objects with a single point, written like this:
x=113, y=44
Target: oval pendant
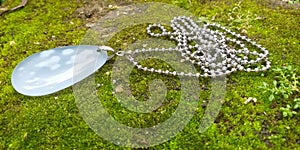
x=52, y=70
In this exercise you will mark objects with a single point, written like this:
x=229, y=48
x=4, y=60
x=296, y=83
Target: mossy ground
x=54, y=121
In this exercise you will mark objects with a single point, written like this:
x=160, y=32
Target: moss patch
x=54, y=121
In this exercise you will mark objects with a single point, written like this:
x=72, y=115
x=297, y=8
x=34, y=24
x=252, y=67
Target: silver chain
x=207, y=48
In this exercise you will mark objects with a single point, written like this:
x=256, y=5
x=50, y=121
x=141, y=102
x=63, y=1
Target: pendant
x=52, y=70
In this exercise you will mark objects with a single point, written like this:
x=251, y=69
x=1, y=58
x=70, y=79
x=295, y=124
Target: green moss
x=54, y=121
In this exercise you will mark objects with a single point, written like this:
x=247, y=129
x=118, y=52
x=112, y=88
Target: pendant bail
x=106, y=48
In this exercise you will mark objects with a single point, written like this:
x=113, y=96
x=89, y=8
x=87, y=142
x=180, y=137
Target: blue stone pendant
x=52, y=70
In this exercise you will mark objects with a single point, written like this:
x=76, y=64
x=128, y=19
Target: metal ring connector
x=120, y=53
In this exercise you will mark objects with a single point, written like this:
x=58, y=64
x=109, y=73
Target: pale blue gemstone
x=52, y=70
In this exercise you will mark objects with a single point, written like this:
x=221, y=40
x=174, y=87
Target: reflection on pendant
x=55, y=69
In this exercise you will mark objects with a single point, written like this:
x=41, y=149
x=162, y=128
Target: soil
x=92, y=10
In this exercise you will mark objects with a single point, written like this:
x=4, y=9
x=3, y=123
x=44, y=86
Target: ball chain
x=206, y=48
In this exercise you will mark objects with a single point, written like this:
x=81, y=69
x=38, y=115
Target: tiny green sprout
x=284, y=87
x=297, y=103
x=271, y=97
x=286, y=83
x=293, y=1
x=287, y=112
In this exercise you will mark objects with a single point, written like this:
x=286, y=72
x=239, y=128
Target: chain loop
x=210, y=51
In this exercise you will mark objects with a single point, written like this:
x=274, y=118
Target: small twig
x=20, y=6
x=5, y=10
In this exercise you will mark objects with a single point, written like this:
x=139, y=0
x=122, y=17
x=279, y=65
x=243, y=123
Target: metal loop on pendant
x=106, y=48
